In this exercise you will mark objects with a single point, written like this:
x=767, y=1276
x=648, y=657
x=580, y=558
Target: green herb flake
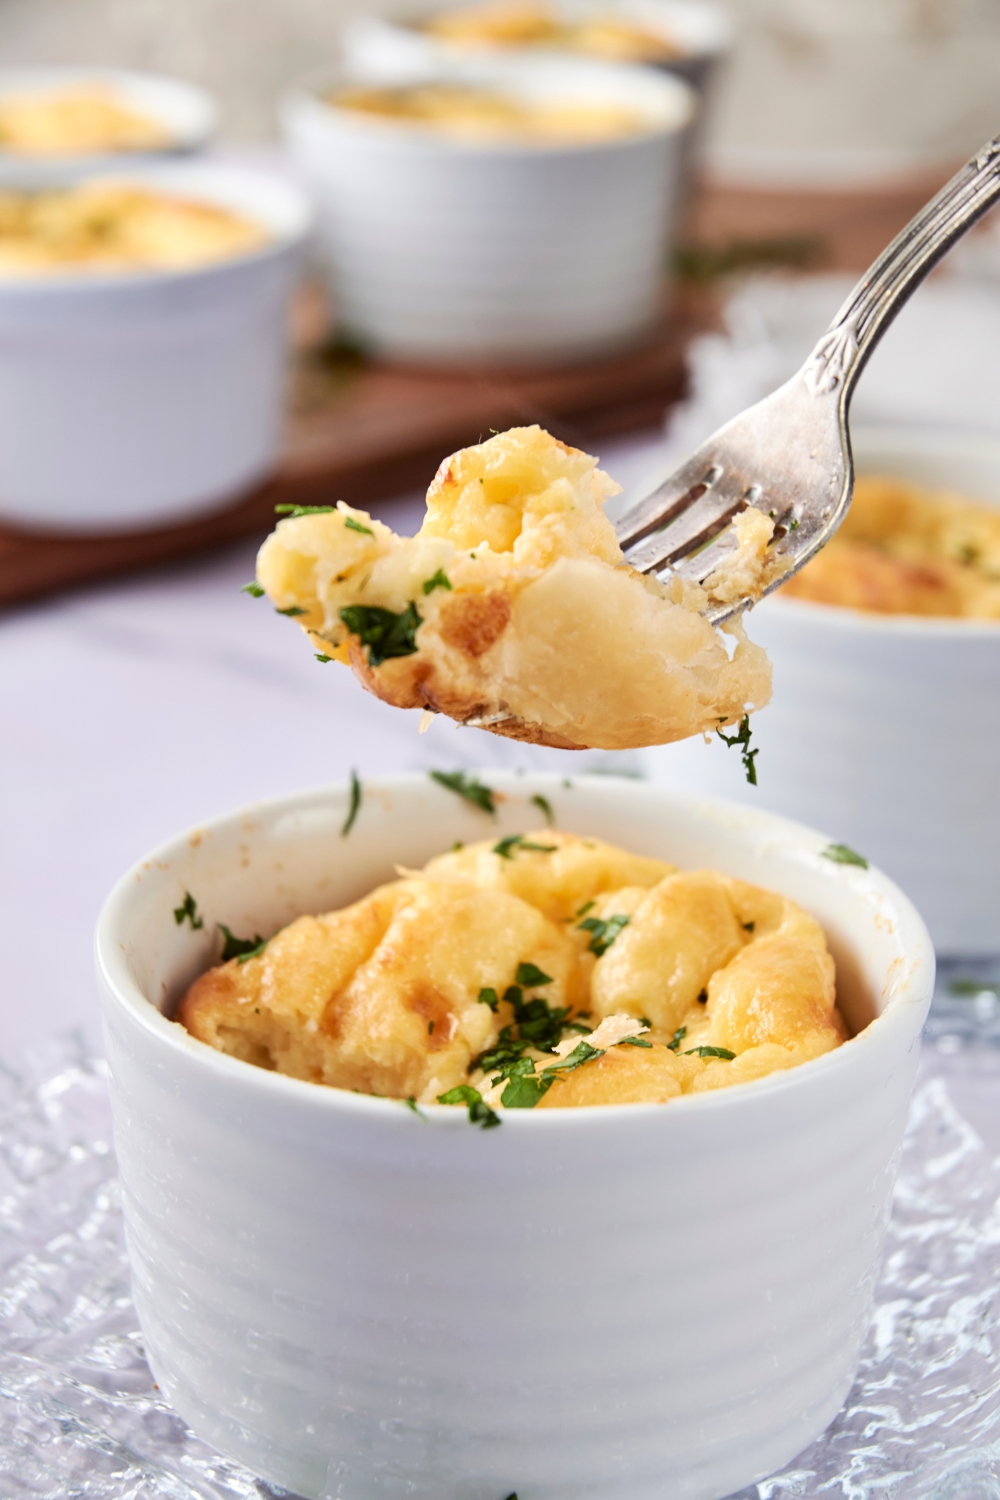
x=742, y=739
x=479, y=1113
x=749, y=926
x=489, y=997
x=703, y=997
x=440, y=580
x=514, y=843
x=321, y=657
x=240, y=948
x=291, y=612
x=582, y=1053
x=603, y=931
x=293, y=512
x=525, y=1088
x=530, y=976
x=413, y=1106
x=582, y=911
x=722, y=1052
x=966, y=988
x=634, y=1041
x=469, y=787
x=384, y=633
x=545, y=808
x=843, y=854
x=353, y=525
x=675, y=1042
x=253, y=589
x=188, y=912
x=354, y=807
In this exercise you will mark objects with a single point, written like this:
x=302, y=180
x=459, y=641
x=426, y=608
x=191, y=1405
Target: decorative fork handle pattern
x=842, y=352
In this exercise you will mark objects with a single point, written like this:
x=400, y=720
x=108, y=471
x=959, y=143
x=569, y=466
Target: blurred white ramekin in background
x=442, y=250
x=132, y=399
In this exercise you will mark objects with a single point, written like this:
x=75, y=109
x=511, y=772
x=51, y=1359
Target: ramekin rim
x=280, y=242
x=302, y=93
x=917, y=985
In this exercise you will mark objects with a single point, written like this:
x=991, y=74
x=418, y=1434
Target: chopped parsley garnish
x=253, y=589
x=634, y=1041
x=294, y=511
x=710, y=1052
x=582, y=1053
x=843, y=854
x=489, y=997
x=675, y=1042
x=188, y=912
x=469, y=787
x=440, y=580
x=430, y=1028
x=384, y=633
x=749, y=926
x=603, y=931
x=354, y=807
x=240, y=948
x=515, y=842
x=321, y=657
x=530, y=975
x=525, y=1086
x=479, y=1113
x=291, y=611
x=412, y=1105
x=582, y=911
x=353, y=525
x=703, y=997
x=545, y=808
x=742, y=738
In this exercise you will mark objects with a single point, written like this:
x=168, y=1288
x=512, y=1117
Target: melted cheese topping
x=106, y=226
x=903, y=550
x=506, y=23
x=76, y=122
x=709, y=982
x=516, y=609
x=482, y=116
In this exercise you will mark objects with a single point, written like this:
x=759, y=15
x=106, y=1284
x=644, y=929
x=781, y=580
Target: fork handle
x=842, y=352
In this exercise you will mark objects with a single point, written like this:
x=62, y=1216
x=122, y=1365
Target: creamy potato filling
x=539, y=970
x=76, y=122
x=508, y=23
x=905, y=550
x=484, y=115
x=513, y=607
x=109, y=225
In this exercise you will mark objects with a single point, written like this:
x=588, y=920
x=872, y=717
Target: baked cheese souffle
x=541, y=970
x=104, y=225
x=79, y=121
x=483, y=116
x=514, y=610
x=517, y=23
x=904, y=550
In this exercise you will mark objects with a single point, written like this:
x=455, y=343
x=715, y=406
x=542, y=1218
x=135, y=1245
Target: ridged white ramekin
x=128, y=400
x=885, y=728
x=444, y=250
x=618, y=1303
x=186, y=112
x=702, y=31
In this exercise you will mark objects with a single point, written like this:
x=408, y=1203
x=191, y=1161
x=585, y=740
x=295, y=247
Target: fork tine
x=668, y=501
x=691, y=529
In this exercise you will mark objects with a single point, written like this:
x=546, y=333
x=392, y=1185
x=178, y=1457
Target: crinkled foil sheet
x=80, y=1416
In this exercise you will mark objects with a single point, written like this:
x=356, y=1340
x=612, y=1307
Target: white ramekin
x=441, y=250
x=132, y=399
x=188, y=114
x=702, y=30
x=597, y=1304
x=885, y=728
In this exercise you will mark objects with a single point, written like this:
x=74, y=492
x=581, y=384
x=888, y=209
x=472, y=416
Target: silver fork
x=790, y=454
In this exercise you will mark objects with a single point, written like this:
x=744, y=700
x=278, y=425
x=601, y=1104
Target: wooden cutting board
x=363, y=431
